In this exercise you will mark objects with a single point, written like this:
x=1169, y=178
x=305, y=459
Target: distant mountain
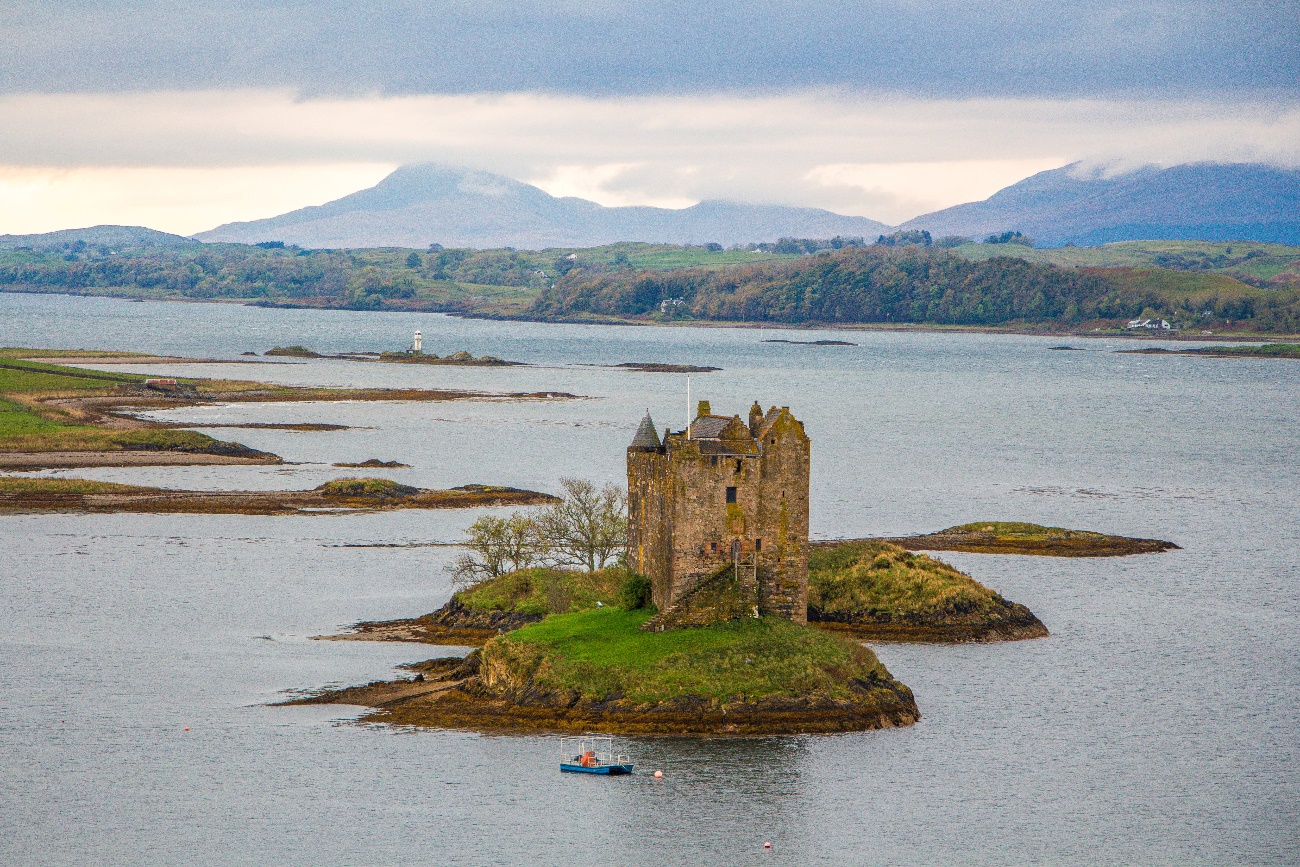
x=419, y=205
x=115, y=237
x=1199, y=201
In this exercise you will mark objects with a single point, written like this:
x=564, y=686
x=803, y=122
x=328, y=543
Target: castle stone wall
x=682, y=528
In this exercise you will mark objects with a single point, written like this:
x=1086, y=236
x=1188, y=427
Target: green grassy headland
x=30, y=423
x=541, y=591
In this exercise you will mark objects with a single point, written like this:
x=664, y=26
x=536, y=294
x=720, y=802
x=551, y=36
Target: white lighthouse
x=417, y=344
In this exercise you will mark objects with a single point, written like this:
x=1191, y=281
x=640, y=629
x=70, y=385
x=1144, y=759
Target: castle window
x=714, y=460
x=731, y=495
x=737, y=466
x=758, y=544
x=713, y=547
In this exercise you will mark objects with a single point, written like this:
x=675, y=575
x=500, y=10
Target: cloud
x=903, y=190
x=940, y=48
x=884, y=158
x=180, y=200
x=607, y=184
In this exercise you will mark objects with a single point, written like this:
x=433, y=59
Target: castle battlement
x=723, y=493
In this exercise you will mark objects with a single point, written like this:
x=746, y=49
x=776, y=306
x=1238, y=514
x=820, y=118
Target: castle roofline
x=709, y=427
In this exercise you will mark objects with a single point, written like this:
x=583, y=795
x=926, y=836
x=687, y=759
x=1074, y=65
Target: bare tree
x=498, y=546
x=588, y=527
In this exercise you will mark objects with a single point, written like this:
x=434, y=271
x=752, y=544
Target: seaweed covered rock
x=879, y=590
x=366, y=489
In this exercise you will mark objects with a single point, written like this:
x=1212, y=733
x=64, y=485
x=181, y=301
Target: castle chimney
x=755, y=419
x=703, y=409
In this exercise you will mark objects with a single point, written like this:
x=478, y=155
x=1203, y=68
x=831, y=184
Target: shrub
x=635, y=592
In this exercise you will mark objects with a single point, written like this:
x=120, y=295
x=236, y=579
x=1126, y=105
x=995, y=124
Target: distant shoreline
x=888, y=327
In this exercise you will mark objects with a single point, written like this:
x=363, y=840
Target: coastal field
x=60, y=415
x=1251, y=260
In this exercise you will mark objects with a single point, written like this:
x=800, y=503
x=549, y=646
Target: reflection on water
x=1156, y=725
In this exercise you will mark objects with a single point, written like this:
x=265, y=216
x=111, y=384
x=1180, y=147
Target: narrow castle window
x=758, y=544
x=731, y=495
x=713, y=547
x=737, y=466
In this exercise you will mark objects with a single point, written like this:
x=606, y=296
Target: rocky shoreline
x=456, y=693
x=452, y=625
x=1014, y=622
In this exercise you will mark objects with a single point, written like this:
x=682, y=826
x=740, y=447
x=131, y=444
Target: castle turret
x=647, y=438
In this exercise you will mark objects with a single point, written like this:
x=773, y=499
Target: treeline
x=895, y=279
x=358, y=279
x=897, y=284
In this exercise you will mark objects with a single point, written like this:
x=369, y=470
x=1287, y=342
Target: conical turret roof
x=646, y=435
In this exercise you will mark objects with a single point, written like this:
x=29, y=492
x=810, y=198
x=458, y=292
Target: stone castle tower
x=721, y=494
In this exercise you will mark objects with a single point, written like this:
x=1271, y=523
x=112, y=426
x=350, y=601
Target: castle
x=721, y=501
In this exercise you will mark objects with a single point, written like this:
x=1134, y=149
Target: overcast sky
x=183, y=116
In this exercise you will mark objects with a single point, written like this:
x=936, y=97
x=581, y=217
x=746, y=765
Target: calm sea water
x=1158, y=724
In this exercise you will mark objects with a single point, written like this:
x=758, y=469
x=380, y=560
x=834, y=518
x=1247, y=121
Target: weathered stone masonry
x=722, y=494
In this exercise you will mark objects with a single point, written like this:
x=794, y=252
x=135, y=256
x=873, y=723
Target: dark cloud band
x=609, y=47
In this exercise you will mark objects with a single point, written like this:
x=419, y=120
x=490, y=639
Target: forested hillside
x=922, y=285
x=876, y=283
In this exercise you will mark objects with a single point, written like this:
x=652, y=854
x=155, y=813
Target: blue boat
x=593, y=754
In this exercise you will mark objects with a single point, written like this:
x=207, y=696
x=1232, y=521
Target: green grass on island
x=603, y=652
x=886, y=579
x=542, y=591
x=880, y=590
x=41, y=486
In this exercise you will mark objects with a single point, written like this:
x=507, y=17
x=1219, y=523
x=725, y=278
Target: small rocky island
x=1267, y=350
x=1013, y=537
x=407, y=356
x=25, y=495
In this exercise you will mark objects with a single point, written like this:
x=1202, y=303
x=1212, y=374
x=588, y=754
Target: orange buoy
x=659, y=775
x=187, y=728
x=767, y=845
